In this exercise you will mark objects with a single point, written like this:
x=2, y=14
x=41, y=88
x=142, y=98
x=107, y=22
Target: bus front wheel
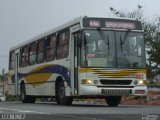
x=62, y=99
x=113, y=101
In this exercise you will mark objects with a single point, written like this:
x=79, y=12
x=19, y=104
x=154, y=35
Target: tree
x=0, y=77
x=151, y=36
x=136, y=14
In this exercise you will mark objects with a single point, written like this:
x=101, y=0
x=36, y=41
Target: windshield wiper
x=103, y=37
x=122, y=41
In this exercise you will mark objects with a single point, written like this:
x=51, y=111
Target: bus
x=88, y=57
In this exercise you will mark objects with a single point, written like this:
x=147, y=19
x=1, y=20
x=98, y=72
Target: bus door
x=17, y=54
x=74, y=60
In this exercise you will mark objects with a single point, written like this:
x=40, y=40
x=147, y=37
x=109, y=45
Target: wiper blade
x=103, y=37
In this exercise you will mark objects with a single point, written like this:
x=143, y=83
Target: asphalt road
x=78, y=111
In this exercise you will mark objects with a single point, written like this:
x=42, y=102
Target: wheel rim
x=61, y=93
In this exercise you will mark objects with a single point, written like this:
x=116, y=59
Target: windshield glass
x=130, y=49
x=97, y=51
x=103, y=48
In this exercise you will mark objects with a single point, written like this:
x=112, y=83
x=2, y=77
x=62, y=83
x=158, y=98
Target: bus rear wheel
x=113, y=101
x=25, y=98
x=62, y=99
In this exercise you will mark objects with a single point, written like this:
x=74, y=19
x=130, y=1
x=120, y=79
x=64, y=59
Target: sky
x=21, y=20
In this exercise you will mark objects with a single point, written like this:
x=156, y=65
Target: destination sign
x=112, y=23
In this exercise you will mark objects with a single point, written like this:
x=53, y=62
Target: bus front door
x=74, y=64
x=16, y=72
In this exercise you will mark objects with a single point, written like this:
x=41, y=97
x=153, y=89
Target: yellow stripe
x=36, y=78
x=119, y=73
x=85, y=70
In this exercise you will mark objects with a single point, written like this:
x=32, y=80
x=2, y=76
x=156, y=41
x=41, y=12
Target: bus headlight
x=86, y=81
x=141, y=82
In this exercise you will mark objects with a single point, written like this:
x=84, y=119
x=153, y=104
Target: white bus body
x=87, y=57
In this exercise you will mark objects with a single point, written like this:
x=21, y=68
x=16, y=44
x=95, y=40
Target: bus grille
x=115, y=82
x=116, y=92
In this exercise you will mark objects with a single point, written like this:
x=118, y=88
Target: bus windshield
x=103, y=48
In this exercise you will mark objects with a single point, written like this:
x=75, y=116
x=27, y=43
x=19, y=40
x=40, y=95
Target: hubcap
x=61, y=93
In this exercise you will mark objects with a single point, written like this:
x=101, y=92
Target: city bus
x=88, y=57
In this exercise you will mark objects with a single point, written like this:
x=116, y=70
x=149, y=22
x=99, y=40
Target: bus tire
x=62, y=99
x=113, y=101
x=24, y=97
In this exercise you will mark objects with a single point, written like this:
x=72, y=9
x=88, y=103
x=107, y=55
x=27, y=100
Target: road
x=79, y=111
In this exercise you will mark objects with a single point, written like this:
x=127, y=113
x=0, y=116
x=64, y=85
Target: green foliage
x=150, y=74
x=0, y=78
x=154, y=51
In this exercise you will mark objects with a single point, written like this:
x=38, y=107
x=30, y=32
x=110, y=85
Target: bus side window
x=32, y=53
x=63, y=45
x=50, y=48
x=40, y=51
x=11, y=60
x=24, y=56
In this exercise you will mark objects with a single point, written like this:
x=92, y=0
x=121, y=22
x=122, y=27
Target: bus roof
x=68, y=24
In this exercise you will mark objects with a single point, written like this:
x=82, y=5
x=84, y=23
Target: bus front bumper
x=109, y=91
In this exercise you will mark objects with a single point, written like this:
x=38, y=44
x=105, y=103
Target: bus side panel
x=40, y=79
